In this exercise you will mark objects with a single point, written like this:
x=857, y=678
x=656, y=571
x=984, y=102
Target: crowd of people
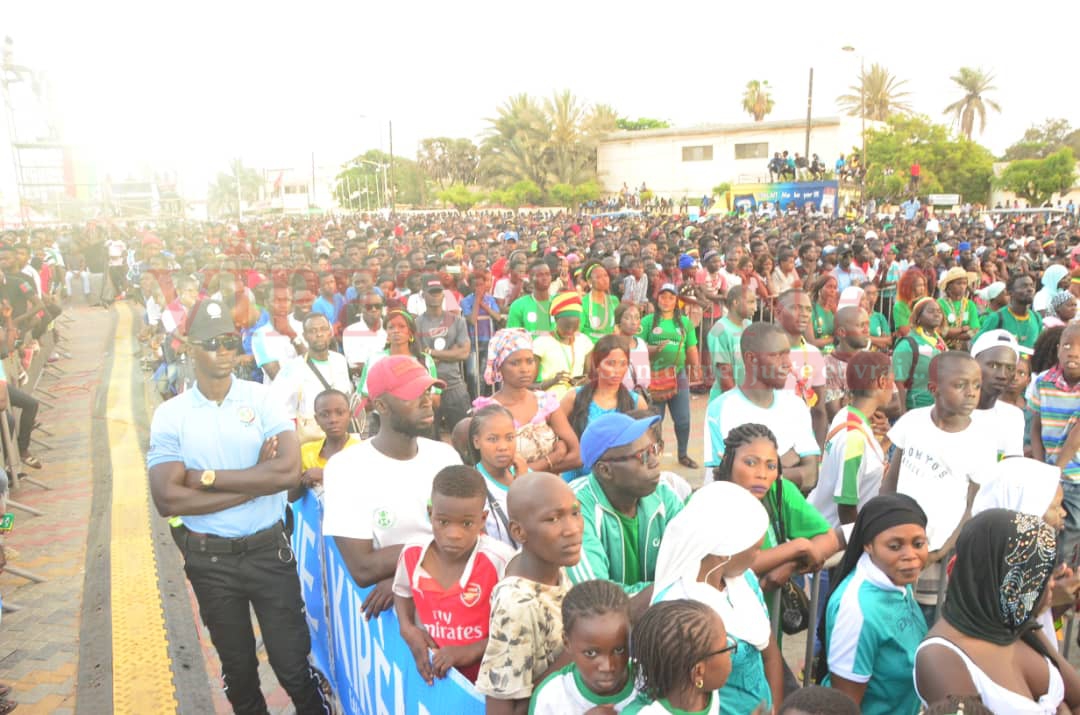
x=478, y=401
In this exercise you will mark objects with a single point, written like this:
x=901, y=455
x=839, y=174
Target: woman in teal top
x=603, y=393
x=880, y=333
x=873, y=626
x=673, y=358
x=912, y=354
x=824, y=298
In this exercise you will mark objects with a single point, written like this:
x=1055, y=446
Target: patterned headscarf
x=1003, y=564
x=503, y=344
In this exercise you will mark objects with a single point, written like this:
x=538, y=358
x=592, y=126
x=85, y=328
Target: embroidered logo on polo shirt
x=246, y=414
x=213, y=310
x=470, y=595
x=384, y=518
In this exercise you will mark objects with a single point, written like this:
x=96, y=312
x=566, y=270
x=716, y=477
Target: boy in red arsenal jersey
x=447, y=582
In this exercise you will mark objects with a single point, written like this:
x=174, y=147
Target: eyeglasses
x=653, y=450
x=227, y=342
x=373, y=306
x=733, y=649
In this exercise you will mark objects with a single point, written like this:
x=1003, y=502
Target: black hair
x=817, y=700
x=414, y=344
x=950, y=358
x=593, y=598
x=330, y=392
x=624, y=401
x=955, y=704
x=1012, y=279
x=1045, y=352
x=460, y=482
x=753, y=338
x=314, y=314
x=669, y=640
x=622, y=307
x=741, y=436
x=477, y=422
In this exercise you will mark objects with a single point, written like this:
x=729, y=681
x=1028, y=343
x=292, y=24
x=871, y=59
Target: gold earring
x=699, y=683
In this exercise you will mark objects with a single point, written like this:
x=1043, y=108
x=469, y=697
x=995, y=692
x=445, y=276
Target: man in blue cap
x=624, y=503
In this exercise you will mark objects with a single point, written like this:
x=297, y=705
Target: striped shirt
x=1058, y=405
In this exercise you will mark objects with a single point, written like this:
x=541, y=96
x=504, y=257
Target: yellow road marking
x=141, y=673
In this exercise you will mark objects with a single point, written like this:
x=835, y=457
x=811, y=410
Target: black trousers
x=28, y=407
x=227, y=585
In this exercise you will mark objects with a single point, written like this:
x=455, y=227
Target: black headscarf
x=1003, y=564
x=880, y=513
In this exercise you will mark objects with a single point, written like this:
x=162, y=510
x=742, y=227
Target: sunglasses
x=653, y=450
x=373, y=306
x=226, y=342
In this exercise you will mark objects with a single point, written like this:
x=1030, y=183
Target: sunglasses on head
x=228, y=342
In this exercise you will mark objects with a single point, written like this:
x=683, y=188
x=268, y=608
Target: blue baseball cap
x=608, y=431
x=685, y=262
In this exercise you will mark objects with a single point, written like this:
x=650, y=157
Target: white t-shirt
x=562, y=693
x=117, y=251
x=937, y=467
x=788, y=417
x=852, y=463
x=358, y=342
x=296, y=385
x=367, y=495
x=1006, y=427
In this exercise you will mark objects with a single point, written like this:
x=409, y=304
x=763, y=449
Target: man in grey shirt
x=446, y=339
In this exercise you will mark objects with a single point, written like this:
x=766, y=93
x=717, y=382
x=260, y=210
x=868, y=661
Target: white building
x=689, y=162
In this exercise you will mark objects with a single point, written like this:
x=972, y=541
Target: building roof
x=706, y=129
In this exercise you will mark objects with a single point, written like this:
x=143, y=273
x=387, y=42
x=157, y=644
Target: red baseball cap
x=401, y=376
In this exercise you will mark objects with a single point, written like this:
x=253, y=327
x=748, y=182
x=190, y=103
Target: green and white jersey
x=565, y=693
x=663, y=707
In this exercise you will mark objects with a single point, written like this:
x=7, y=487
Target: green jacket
x=603, y=555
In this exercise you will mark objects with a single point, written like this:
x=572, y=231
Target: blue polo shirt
x=205, y=435
x=872, y=631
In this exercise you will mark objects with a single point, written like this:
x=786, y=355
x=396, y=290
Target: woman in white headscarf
x=705, y=555
x=1052, y=279
x=1031, y=487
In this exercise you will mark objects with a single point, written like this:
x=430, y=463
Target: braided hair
x=477, y=422
x=593, y=598
x=624, y=401
x=669, y=640
x=741, y=436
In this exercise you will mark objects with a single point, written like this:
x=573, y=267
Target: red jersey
x=458, y=615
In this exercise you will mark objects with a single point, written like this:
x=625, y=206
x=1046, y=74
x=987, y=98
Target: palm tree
x=975, y=83
x=882, y=93
x=222, y=194
x=514, y=146
x=756, y=100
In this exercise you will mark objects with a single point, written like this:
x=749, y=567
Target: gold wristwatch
x=208, y=478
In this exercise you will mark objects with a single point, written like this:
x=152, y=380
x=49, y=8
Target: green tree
x=572, y=196
x=460, y=197
x=1037, y=180
x=723, y=189
x=363, y=181
x=221, y=194
x=756, y=100
x=975, y=83
x=950, y=163
x=1042, y=140
x=545, y=143
x=517, y=195
x=883, y=95
x=448, y=161
x=636, y=125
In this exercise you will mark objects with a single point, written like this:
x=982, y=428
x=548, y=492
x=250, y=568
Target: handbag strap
x=318, y=374
x=501, y=516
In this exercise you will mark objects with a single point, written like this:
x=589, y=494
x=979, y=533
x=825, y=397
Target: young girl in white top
x=596, y=634
x=493, y=448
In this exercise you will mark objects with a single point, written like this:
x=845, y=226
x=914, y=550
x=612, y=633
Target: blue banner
x=822, y=195
x=368, y=664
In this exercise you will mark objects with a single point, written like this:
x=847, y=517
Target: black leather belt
x=209, y=543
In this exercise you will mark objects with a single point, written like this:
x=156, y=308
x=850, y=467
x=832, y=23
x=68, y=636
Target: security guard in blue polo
x=222, y=456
